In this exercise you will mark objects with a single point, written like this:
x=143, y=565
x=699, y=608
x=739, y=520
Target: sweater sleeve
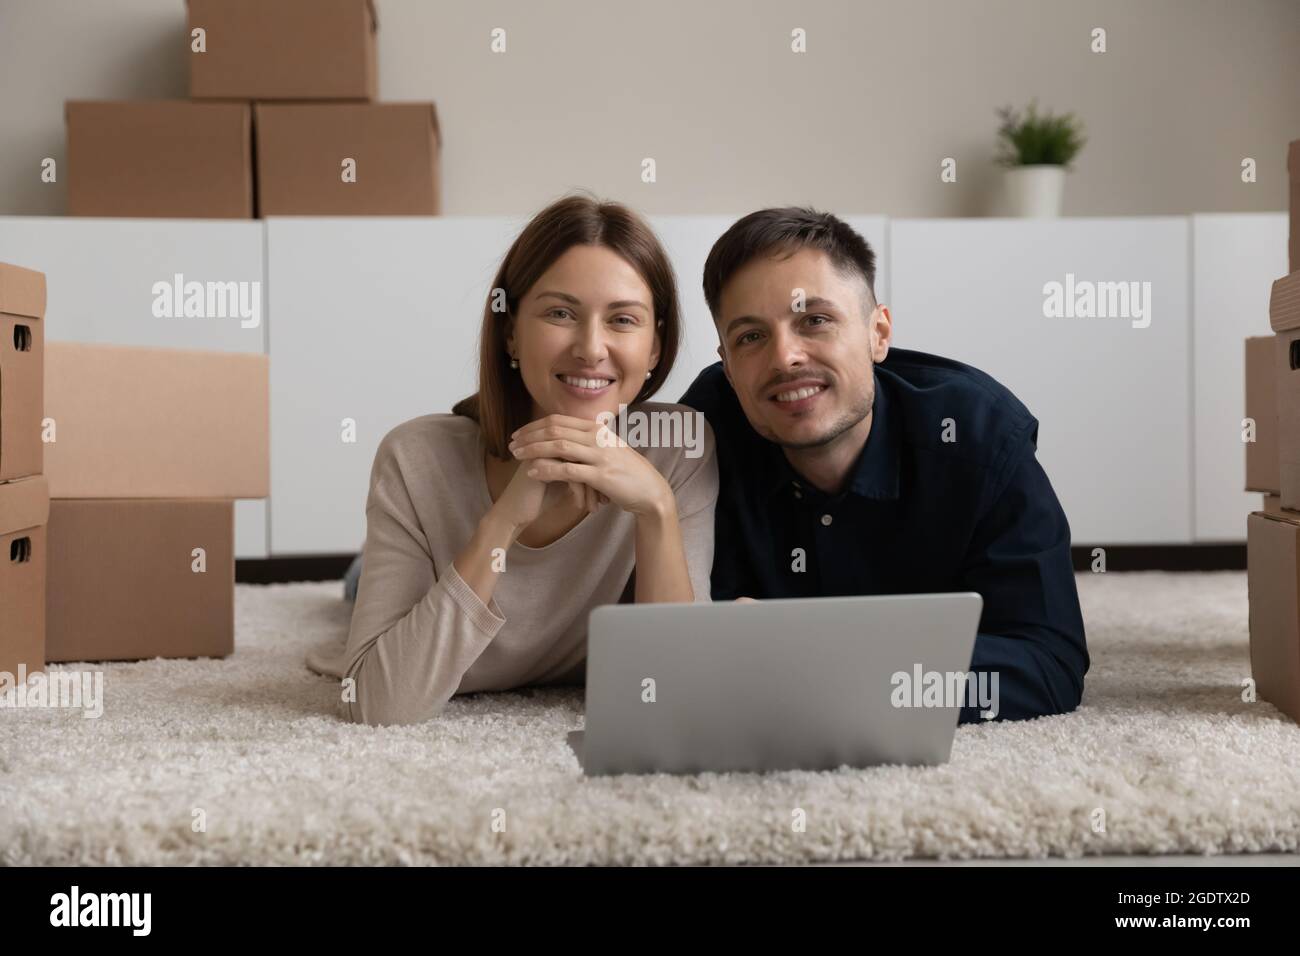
x=696, y=493
x=415, y=629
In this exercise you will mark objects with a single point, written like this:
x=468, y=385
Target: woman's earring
x=648, y=374
x=514, y=363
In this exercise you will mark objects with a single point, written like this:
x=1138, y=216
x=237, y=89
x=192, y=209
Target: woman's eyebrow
x=574, y=300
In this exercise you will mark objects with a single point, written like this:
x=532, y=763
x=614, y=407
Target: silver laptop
x=789, y=684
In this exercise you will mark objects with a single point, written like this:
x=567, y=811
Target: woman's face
x=585, y=334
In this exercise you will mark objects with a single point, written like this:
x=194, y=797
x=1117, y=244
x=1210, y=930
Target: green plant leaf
x=1032, y=139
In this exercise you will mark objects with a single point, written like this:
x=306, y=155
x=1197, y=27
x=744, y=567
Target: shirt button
x=826, y=519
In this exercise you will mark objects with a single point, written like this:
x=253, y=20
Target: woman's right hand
x=525, y=499
x=519, y=505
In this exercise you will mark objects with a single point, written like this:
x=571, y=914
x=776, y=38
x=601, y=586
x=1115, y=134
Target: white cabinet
x=376, y=320
x=1112, y=398
x=687, y=240
x=373, y=320
x=1235, y=258
x=99, y=280
x=875, y=229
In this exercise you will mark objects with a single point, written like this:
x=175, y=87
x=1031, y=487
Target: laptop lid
x=798, y=683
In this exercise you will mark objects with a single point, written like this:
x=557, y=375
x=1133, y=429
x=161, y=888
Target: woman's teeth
x=799, y=393
x=588, y=383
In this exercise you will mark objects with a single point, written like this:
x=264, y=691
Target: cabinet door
x=376, y=322
x=100, y=275
x=1113, y=399
x=1235, y=258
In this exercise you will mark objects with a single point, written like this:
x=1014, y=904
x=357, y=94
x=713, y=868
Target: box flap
x=1284, y=304
x=22, y=291
x=24, y=503
x=1286, y=517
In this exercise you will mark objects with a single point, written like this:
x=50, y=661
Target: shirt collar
x=875, y=472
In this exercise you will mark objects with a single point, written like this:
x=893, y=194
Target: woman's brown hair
x=502, y=403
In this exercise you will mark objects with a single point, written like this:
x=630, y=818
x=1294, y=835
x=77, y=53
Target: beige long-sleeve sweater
x=420, y=634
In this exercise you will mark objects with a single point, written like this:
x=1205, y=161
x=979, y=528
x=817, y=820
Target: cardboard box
x=1284, y=317
x=284, y=50
x=1284, y=303
x=134, y=422
x=1293, y=174
x=1272, y=505
x=301, y=149
x=24, y=512
x=1273, y=582
x=22, y=371
x=125, y=580
x=160, y=158
x=1262, y=470
x=1286, y=372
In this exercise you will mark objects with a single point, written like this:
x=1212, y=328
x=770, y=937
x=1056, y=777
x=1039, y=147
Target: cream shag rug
x=246, y=761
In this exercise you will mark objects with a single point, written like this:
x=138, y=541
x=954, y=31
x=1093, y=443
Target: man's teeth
x=799, y=393
x=592, y=383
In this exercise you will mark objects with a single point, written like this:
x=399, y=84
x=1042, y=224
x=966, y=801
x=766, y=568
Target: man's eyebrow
x=812, y=302
x=742, y=320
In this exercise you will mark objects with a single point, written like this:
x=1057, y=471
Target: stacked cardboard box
x=1273, y=467
x=283, y=50
x=149, y=447
x=159, y=158
x=291, y=81
x=24, y=494
x=347, y=159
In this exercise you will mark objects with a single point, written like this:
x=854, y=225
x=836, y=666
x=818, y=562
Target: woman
x=492, y=532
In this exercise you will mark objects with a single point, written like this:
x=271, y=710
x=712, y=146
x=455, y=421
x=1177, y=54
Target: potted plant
x=1036, y=151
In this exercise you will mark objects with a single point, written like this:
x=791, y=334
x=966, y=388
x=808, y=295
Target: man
x=850, y=468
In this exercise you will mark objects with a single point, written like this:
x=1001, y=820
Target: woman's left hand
x=564, y=448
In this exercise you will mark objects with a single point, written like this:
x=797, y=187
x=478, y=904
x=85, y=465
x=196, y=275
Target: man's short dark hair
x=782, y=232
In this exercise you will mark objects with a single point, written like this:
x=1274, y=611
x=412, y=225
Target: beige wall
x=859, y=123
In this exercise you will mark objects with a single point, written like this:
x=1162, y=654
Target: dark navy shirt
x=946, y=495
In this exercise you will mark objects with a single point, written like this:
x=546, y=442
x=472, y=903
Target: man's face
x=803, y=378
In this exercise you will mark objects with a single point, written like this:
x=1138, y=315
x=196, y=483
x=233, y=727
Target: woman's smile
x=585, y=387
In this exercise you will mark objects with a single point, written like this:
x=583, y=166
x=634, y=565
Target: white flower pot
x=1033, y=192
